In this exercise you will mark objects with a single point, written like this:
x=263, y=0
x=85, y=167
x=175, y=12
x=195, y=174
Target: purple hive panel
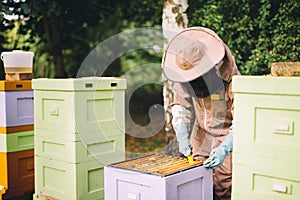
x=191, y=184
x=17, y=108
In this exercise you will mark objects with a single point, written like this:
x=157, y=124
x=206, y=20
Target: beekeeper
x=201, y=66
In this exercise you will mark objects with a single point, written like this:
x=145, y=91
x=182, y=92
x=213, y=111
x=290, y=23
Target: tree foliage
x=258, y=32
x=61, y=33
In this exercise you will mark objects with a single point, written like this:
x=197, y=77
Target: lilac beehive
x=157, y=177
x=16, y=108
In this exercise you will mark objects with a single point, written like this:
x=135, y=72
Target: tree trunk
x=174, y=19
x=53, y=36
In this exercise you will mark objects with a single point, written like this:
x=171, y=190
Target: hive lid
x=79, y=84
x=15, y=85
x=161, y=165
x=266, y=85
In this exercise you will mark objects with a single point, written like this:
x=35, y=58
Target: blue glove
x=217, y=155
x=182, y=136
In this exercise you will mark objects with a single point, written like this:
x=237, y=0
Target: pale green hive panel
x=266, y=85
x=266, y=138
x=80, y=84
x=79, y=111
x=106, y=150
x=61, y=180
x=260, y=178
x=16, y=141
x=267, y=124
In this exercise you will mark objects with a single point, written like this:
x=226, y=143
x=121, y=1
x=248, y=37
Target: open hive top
x=155, y=164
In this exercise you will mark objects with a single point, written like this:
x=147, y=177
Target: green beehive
x=267, y=116
x=266, y=137
x=79, y=127
x=255, y=177
x=61, y=180
x=106, y=150
x=16, y=141
x=84, y=105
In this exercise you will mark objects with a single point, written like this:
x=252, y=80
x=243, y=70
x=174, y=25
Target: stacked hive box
x=79, y=127
x=158, y=177
x=267, y=138
x=16, y=138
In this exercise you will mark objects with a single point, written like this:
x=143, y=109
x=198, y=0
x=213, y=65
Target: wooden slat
x=15, y=85
x=15, y=129
x=158, y=164
x=285, y=69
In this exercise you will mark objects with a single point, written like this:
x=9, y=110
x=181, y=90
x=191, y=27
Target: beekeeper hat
x=191, y=53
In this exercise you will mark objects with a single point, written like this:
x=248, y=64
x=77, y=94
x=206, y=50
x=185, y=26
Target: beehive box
x=15, y=85
x=84, y=105
x=106, y=150
x=267, y=113
x=16, y=108
x=260, y=178
x=17, y=172
x=157, y=177
x=63, y=180
x=285, y=69
x=76, y=136
x=16, y=141
x=267, y=116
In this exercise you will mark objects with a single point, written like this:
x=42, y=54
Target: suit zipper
x=205, y=114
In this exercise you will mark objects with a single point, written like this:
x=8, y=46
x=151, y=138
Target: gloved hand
x=182, y=136
x=217, y=155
